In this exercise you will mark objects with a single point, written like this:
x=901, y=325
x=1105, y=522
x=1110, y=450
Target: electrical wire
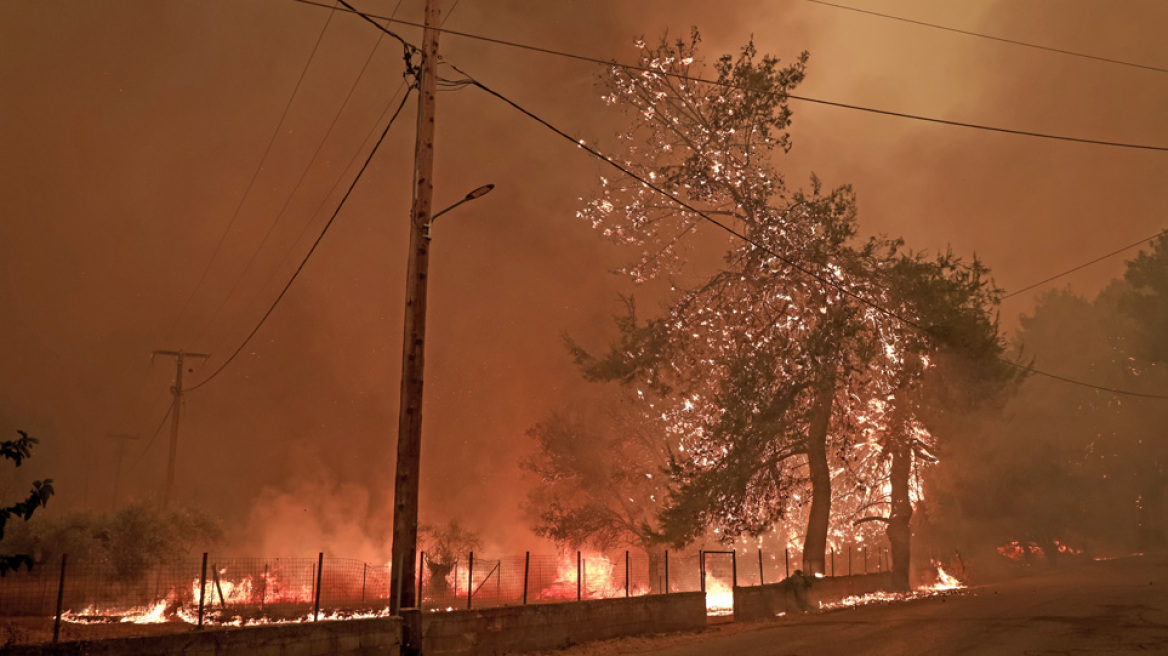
x=794, y=265
x=990, y=37
x=372, y=131
x=251, y=183
x=295, y=188
x=150, y=443
x=1085, y=264
x=731, y=231
x=311, y=250
x=808, y=99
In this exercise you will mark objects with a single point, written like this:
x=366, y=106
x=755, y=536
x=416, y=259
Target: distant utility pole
x=175, y=411
x=403, y=591
x=122, y=439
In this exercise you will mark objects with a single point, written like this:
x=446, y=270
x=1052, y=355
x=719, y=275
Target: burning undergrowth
x=943, y=585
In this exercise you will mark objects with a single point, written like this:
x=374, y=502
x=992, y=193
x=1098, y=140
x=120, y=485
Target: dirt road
x=1109, y=607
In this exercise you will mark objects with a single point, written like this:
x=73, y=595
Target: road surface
x=1107, y=607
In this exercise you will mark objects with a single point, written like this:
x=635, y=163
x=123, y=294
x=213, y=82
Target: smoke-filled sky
x=132, y=129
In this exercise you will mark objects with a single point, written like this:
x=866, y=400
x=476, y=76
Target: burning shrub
x=443, y=546
x=132, y=540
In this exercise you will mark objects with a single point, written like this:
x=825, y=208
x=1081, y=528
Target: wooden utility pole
x=175, y=412
x=122, y=439
x=409, y=431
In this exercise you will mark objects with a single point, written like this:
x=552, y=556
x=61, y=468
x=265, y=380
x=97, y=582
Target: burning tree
x=1076, y=469
x=1143, y=302
x=795, y=364
x=599, y=479
x=18, y=451
x=949, y=355
x=444, y=545
x=761, y=361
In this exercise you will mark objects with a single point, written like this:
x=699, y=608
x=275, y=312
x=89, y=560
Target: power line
x=808, y=99
x=311, y=250
x=254, y=176
x=1085, y=264
x=596, y=153
x=296, y=187
x=157, y=432
x=369, y=135
x=731, y=231
x=991, y=37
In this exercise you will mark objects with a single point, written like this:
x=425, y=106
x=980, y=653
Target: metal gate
x=719, y=570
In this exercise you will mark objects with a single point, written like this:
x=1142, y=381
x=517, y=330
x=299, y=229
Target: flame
x=241, y=592
x=1017, y=551
x=719, y=597
x=602, y=579
x=945, y=580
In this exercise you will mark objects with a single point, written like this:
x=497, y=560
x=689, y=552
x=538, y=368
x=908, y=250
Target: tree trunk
x=900, y=518
x=815, y=543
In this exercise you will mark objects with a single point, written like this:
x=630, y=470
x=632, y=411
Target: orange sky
x=131, y=130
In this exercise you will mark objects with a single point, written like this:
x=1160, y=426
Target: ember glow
x=1018, y=551
x=218, y=593
x=946, y=584
x=719, y=597
x=602, y=579
x=945, y=580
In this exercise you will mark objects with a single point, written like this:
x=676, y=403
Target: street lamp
x=477, y=193
x=409, y=438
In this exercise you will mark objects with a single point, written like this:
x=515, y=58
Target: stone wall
x=766, y=601
x=494, y=631
x=368, y=637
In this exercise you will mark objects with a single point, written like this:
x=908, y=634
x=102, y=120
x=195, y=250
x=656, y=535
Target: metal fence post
x=364, y=575
x=702, y=568
x=218, y=587
x=733, y=569
x=865, y=560
x=264, y=590
x=787, y=560
x=761, y=580
x=579, y=571
x=319, y=576
x=626, y=573
x=421, y=577
x=526, y=571
x=469, y=579
x=666, y=571
x=833, y=562
x=60, y=600
x=202, y=589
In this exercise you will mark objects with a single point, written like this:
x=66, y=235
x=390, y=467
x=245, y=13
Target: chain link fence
x=93, y=600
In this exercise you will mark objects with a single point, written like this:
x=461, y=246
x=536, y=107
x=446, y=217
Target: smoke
x=140, y=128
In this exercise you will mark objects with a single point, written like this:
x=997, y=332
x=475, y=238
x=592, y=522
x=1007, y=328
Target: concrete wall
x=494, y=631
x=368, y=637
x=765, y=601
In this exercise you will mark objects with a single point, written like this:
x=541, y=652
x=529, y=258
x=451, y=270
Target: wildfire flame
x=218, y=592
x=719, y=597
x=602, y=579
x=945, y=580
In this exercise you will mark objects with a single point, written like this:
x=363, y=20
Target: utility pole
x=122, y=439
x=175, y=412
x=403, y=592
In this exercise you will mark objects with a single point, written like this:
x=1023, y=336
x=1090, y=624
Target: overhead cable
x=807, y=99
x=311, y=250
x=254, y=176
x=1085, y=264
x=991, y=37
x=794, y=265
x=579, y=143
